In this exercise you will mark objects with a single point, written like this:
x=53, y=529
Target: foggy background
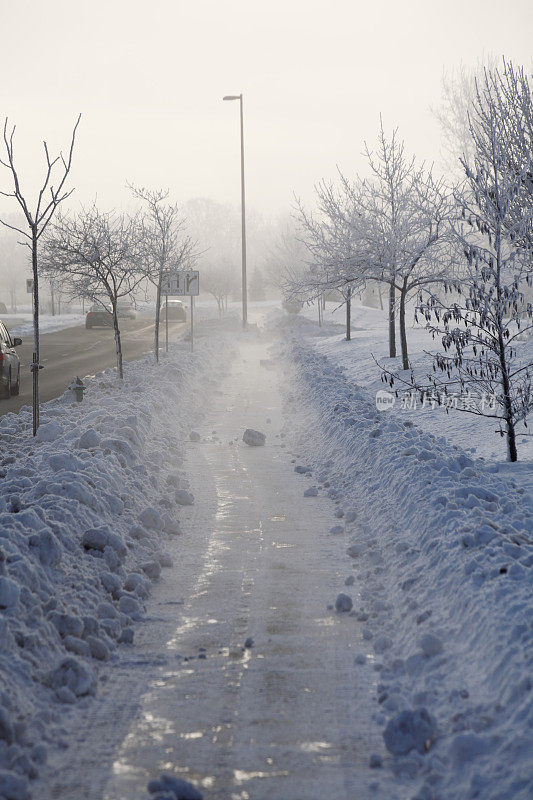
x=149, y=80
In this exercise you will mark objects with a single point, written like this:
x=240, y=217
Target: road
x=78, y=351
x=290, y=717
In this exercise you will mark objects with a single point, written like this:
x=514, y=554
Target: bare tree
x=166, y=245
x=97, y=256
x=220, y=282
x=37, y=220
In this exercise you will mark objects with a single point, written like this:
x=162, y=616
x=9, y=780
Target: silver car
x=9, y=363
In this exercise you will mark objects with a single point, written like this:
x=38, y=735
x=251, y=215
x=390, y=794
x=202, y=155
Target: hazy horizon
x=149, y=82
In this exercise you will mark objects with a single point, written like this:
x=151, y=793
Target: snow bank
x=85, y=511
x=441, y=545
x=22, y=324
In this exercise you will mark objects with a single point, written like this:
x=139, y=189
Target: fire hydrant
x=77, y=386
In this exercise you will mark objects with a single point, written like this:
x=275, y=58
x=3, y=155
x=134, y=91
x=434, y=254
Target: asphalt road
x=78, y=351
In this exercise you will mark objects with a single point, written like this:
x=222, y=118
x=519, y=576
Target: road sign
x=29, y=285
x=184, y=283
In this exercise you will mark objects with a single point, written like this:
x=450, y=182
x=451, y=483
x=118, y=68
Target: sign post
x=166, y=323
x=181, y=283
x=192, y=323
x=29, y=290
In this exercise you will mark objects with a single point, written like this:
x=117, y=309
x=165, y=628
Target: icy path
x=288, y=718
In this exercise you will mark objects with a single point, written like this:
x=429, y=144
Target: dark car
x=126, y=310
x=99, y=316
x=176, y=310
x=9, y=363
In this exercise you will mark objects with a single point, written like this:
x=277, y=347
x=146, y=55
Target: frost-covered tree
x=97, y=256
x=407, y=213
x=391, y=228
x=338, y=257
x=481, y=326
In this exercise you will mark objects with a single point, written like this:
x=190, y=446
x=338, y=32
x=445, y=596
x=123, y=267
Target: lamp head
x=232, y=97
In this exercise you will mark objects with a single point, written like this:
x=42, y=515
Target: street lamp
x=243, y=217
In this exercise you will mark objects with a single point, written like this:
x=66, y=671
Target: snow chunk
x=111, y=583
x=253, y=438
x=431, y=645
x=467, y=746
x=130, y=606
x=382, y=643
x=89, y=439
x=151, y=519
x=355, y=550
x=47, y=546
x=174, y=787
x=13, y=786
x=184, y=498
x=343, y=603
x=9, y=592
x=6, y=727
x=49, y=432
x=100, y=538
x=152, y=569
x=311, y=492
x=194, y=436
x=98, y=648
x=410, y=730
x=72, y=674
x=66, y=624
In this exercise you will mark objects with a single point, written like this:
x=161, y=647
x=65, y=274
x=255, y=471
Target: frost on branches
x=487, y=311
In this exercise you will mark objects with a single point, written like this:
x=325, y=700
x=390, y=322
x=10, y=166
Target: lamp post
x=243, y=217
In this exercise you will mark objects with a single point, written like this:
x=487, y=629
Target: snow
x=442, y=551
x=253, y=438
x=343, y=603
x=410, y=730
x=85, y=511
x=184, y=498
x=22, y=324
x=435, y=543
x=168, y=786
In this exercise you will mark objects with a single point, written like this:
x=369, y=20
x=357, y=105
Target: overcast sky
x=149, y=78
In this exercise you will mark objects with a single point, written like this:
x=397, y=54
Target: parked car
x=176, y=310
x=99, y=316
x=126, y=310
x=9, y=363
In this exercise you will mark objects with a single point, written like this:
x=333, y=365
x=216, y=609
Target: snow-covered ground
x=423, y=690
x=86, y=510
x=22, y=324
x=443, y=555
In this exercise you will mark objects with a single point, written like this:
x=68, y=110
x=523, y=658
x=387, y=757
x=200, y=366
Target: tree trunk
x=349, y=315
x=380, y=297
x=157, y=316
x=36, y=343
x=392, y=321
x=403, y=332
x=512, y=454
x=319, y=312
x=118, y=343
